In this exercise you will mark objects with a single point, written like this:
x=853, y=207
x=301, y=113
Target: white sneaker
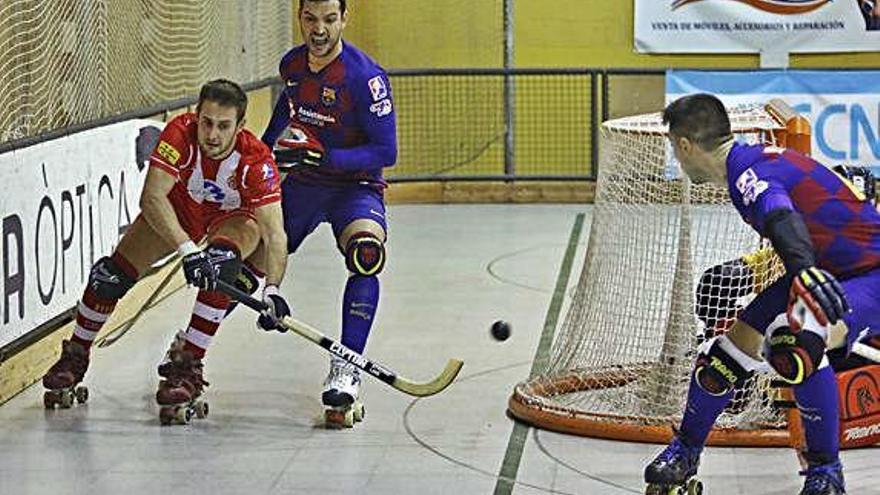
x=343, y=384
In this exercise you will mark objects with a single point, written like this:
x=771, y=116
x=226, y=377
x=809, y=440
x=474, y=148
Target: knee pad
x=721, y=366
x=793, y=355
x=225, y=257
x=719, y=290
x=365, y=254
x=108, y=281
x=247, y=280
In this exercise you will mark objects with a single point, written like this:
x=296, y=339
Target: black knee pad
x=719, y=289
x=226, y=259
x=108, y=281
x=794, y=356
x=365, y=254
x=716, y=371
x=247, y=281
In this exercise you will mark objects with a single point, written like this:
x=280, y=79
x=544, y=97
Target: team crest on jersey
x=749, y=186
x=377, y=88
x=328, y=96
x=168, y=152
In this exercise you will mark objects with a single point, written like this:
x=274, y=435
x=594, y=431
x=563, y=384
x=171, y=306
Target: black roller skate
x=673, y=471
x=824, y=479
x=179, y=394
x=63, y=378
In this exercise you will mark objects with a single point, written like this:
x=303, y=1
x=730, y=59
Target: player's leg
x=358, y=220
x=723, y=363
x=109, y=280
x=230, y=238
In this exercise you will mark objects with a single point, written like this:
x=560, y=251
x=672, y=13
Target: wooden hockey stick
x=118, y=332
x=866, y=351
x=383, y=373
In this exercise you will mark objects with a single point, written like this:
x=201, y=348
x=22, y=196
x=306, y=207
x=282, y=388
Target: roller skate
x=824, y=479
x=674, y=471
x=179, y=394
x=341, y=390
x=63, y=378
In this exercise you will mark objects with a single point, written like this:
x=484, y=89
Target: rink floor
x=452, y=270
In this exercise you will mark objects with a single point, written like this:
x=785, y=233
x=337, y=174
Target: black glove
x=302, y=149
x=277, y=310
x=198, y=270
x=818, y=292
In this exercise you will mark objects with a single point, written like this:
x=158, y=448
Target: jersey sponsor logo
x=377, y=88
x=269, y=176
x=750, y=186
x=328, y=96
x=381, y=108
x=314, y=118
x=168, y=152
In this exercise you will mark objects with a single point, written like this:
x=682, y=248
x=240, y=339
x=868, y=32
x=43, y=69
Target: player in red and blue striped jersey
x=338, y=108
x=828, y=238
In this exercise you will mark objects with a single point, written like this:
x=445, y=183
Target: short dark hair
x=225, y=93
x=341, y=4
x=701, y=118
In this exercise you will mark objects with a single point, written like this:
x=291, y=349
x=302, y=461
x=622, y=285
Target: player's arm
x=375, y=113
x=280, y=119
x=270, y=219
x=157, y=209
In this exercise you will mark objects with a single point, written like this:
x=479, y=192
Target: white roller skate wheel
x=183, y=415
x=695, y=487
x=358, y=412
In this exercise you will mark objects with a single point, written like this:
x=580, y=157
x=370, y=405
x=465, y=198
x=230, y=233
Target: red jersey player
x=209, y=179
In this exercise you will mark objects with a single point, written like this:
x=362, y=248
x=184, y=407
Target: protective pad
x=364, y=254
x=108, y=281
x=719, y=290
x=721, y=366
x=859, y=406
x=247, y=281
x=794, y=355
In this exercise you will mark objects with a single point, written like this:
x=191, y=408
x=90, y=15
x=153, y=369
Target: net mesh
x=66, y=62
x=653, y=288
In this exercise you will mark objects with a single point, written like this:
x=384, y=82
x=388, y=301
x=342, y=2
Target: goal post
x=620, y=365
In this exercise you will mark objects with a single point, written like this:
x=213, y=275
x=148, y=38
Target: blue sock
x=817, y=402
x=700, y=413
x=359, y=305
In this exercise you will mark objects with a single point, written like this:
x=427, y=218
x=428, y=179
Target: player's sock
x=92, y=311
x=359, y=305
x=208, y=312
x=817, y=403
x=700, y=412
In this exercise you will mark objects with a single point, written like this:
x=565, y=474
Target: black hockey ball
x=500, y=330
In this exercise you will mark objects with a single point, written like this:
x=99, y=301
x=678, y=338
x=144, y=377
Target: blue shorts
x=307, y=206
x=862, y=292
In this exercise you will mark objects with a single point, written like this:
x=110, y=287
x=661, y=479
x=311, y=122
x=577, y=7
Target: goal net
x=68, y=62
x=621, y=363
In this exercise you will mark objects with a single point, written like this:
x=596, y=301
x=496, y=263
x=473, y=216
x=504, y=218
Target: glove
x=302, y=149
x=818, y=292
x=277, y=310
x=199, y=271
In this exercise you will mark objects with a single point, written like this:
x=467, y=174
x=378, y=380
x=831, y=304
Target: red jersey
x=246, y=179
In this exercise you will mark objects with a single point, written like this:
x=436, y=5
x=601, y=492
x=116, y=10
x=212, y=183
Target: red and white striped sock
x=208, y=312
x=92, y=311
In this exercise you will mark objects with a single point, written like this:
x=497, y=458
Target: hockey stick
x=118, y=332
x=383, y=373
x=866, y=351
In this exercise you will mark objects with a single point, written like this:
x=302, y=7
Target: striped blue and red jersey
x=348, y=106
x=844, y=228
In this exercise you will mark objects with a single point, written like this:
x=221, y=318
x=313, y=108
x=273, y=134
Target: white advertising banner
x=755, y=26
x=843, y=106
x=65, y=204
